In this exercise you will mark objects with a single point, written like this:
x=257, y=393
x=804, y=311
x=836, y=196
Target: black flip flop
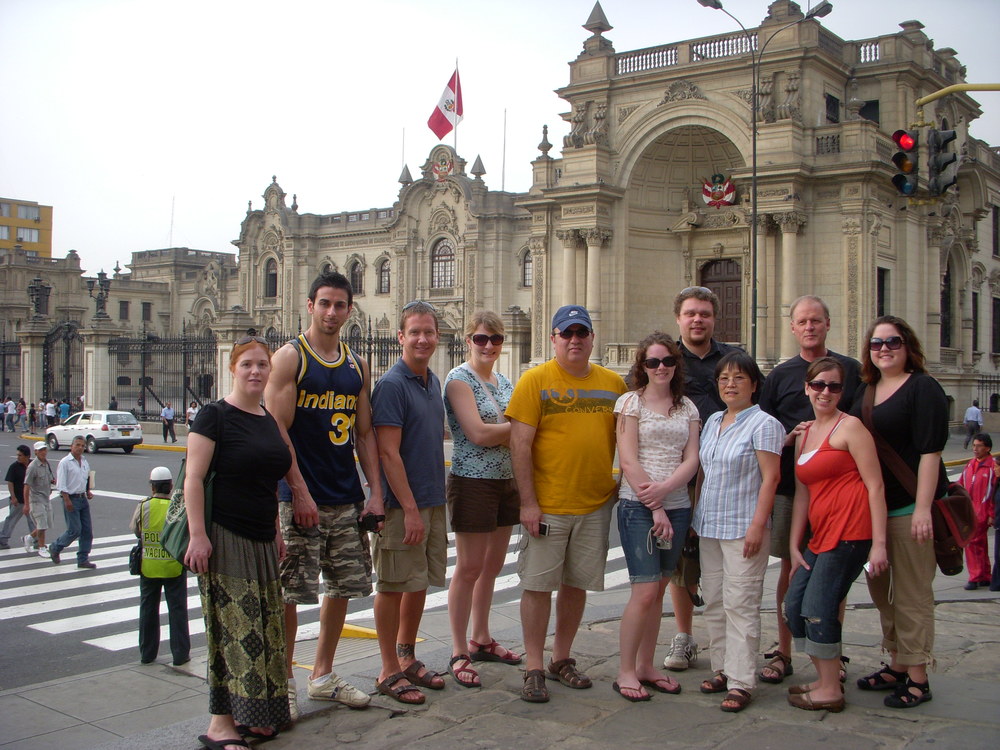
x=248, y=733
x=210, y=744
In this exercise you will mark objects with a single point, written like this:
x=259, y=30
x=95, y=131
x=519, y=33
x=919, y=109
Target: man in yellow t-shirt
x=562, y=443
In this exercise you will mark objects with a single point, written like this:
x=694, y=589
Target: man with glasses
x=696, y=310
x=318, y=393
x=783, y=397
x=563, y=446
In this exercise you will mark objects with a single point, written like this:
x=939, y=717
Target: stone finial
x=545, y=146
x=249, y=206
x=478, y=170
x=404, y=176
x=597, y=23
x=117, y=269
x=295, y=202
x=274, y=178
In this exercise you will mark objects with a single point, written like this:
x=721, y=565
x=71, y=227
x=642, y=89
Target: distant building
x=27, y=224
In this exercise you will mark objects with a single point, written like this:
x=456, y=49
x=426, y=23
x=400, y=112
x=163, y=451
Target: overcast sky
x=132, y=116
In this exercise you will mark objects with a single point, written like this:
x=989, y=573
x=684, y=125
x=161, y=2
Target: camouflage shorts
x=336, y=547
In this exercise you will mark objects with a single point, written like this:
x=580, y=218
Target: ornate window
x=383, y=274
x=946, y=311
x=527, y=269
x=443, y=265
x=357, y=277
x=271, y=278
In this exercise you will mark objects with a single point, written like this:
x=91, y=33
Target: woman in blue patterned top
x=482, y=496
x=740, y=456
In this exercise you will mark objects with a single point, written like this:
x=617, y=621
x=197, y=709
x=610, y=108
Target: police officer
x=160, y=571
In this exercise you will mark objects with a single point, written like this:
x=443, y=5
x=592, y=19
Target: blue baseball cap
x=567, y=315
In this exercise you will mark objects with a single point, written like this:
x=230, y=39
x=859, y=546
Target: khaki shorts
x=411, y=567
x=575, y=552
x=41, y=513
x=336, y=547
x=482, y=505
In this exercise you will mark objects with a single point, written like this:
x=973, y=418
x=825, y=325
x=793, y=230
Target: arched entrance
x=723, y=277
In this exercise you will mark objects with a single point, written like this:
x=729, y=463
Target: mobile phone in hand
x=543, y=528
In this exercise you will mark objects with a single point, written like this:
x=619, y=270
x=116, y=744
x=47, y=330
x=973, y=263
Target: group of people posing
x=705, y=445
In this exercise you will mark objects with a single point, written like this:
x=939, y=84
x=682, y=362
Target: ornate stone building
x=649, y=192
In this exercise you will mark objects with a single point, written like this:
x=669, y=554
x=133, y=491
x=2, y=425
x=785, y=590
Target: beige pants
x=905, y=595
x=733, y=587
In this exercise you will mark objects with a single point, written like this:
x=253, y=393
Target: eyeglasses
x=249, y=338
x=893, y=342
x=416, y=302
x=735, y=380
x=819, y=385
x=653, y=363
x=580, y=333
x=480, y=339
x=703, y=289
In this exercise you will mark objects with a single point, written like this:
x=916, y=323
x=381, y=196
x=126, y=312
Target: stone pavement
x=159, y=707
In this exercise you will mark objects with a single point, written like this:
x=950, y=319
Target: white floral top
x=469, y=459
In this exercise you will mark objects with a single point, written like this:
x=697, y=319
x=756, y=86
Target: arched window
x=946, y=311
x=271, y=278
x=357, y=277
x=443, y=265
x=383, y=273
x=527, y=269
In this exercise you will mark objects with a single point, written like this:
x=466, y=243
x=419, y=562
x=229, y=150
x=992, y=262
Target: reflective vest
x=156, y=563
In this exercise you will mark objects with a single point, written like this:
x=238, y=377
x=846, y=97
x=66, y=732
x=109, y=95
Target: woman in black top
x=237, y=556
x=910, y=413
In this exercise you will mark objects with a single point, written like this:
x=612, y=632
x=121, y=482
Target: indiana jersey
x=322, y=433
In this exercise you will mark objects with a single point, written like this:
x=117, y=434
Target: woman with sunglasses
x=482, y=496
x=740, y=457
x=909, y=415
x=236, y=555
x=838, y=489
x=658, y=452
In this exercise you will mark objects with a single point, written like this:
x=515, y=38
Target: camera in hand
x=370, y=521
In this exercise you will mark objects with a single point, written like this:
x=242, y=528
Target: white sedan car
x=101, y=429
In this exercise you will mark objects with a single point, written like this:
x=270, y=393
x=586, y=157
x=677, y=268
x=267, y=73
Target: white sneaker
x=683, y=653
x=333, y=688
x=293, y=701
x=29, y=542
x=43, y=552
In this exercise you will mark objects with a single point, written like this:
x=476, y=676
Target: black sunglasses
x=480, y=339
x=250, y=337
x=654, y=363
x=416, y=302
x=819, y=385
x=893, y=342
x=580, y=333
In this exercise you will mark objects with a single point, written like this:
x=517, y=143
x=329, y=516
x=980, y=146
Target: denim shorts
x=646, y=563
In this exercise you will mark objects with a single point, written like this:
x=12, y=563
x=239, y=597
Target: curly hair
x=640, y=379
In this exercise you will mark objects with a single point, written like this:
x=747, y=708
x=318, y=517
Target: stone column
x=97, y=385
x=789, y=221
x=570, y=239
x=540, y=299
x=232, y=325
x=32, y=338
x=595, y=238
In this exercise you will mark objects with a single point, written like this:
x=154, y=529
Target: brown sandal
x=715, y=684
x=489, y=652
x=534, y=690
x=780, y=664
x=425, y=680
x=740, y=697
x=566, y=672
x=387, y=687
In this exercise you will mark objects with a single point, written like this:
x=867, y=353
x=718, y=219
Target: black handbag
x=135, y=560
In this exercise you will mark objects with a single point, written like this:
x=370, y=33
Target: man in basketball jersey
x=319, y=393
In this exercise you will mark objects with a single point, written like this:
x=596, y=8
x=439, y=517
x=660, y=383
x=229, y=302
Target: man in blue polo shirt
x=411, y=554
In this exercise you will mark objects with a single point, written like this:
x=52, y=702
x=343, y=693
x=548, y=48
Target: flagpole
x=503, y=162
x=458, y=85
x=402, y=151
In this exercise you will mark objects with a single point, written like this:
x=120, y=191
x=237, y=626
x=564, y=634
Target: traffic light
x=906, y=161
x=942, y=167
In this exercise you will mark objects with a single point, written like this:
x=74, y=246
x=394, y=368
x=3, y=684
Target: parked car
x=101, y=429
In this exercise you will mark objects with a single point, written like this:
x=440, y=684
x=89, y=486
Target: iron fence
x=989, y=392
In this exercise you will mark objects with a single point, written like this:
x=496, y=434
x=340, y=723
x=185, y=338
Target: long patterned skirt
x=245, y=626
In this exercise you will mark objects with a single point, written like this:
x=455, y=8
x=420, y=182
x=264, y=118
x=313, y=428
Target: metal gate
x=62, y=363
x=10, y=369
x=148, y=372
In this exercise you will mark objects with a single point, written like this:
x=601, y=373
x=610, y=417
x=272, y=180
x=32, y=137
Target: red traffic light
x=905, y=139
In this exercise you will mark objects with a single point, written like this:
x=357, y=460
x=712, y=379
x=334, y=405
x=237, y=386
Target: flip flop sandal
x=425, y=680
x=643, y=696
x=715, y=684
x=877, y=679
x=658, y=685
x=208, y=742
x=534, y=690
x=251, y=734
x=464, y=666
x=388, y=687
x=903, y=698
x=780, y=664
x=566, y=672
x=488, y=652
x=740, y=697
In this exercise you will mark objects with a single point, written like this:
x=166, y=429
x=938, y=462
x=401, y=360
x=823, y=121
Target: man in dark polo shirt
x=783, y=397
x=15, y=486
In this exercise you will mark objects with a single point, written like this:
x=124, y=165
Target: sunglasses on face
x=819, y=385
x=893, y=342
x=480, y=339
x=653, y=363
x=580, y=333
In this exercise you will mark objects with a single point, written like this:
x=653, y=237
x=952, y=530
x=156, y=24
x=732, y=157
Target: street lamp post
x=820, y=11
x=103, y=292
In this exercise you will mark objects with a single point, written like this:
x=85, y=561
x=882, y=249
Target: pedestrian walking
x=15, y=486
x=39, y=481
x=73, y=483
x=167, y=417
x=973, y=423
x=978, y=478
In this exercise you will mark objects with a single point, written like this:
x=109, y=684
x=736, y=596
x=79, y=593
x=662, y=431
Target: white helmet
x=160, y=474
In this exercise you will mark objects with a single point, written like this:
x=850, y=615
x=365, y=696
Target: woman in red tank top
x=838, y=490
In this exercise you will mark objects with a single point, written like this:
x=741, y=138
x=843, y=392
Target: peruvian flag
x=448, y=112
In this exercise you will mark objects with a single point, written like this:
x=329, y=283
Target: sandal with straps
x=740, y=697
x=903, y=698
x=461, y=664
x=488, y=652
x=877, y=679
x=534, y=690
x=717, y=683
x=780, y=664
x=566, y=672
